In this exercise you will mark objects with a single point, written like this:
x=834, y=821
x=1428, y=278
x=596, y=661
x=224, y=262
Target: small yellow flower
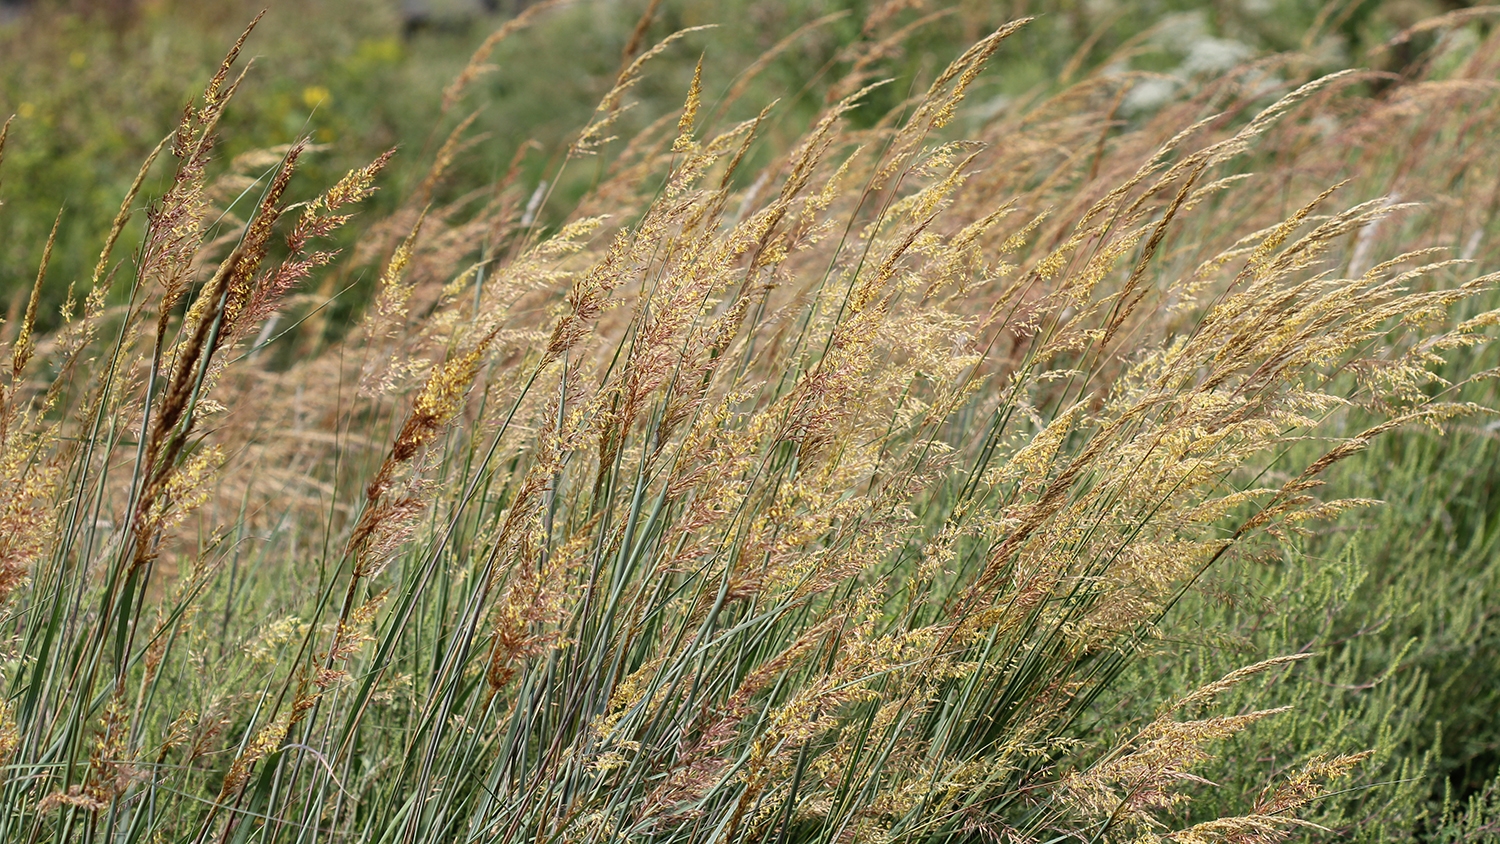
x=380, y=50
x=25, y=111
x=314, y=95
x=78, y=58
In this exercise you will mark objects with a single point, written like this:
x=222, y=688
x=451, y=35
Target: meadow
x=719, y=422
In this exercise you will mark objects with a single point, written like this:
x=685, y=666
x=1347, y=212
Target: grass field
x=851, y=422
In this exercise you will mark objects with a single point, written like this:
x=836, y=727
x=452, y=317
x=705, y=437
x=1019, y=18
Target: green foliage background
x=93, y=95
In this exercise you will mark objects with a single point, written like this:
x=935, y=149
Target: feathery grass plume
x=175, y=222
x=25, y=501
x=477, y=66
x=638, y=34
x=863, y=56
x=452, y=146
x=690, y=111
x=609, y=109
x=24, y=345
x=28, y=478
x=75, y=338
x=747, y=76
x=210, y=323
x=320, y=218
x=123, y=215
x=9, y=737
x=1138, y=777
x=392, y=294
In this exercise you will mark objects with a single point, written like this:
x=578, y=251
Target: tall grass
x=826, y=502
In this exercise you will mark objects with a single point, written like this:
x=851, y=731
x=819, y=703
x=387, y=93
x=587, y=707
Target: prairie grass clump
x=826, y=502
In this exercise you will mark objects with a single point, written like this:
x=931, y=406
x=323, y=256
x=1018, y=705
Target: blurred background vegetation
x=95, y=84
x=1400, y=602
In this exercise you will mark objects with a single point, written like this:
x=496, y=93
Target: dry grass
x=820, y=503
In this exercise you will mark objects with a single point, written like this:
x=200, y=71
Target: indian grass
x=820, y=503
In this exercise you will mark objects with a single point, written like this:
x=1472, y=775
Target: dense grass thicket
x=931, y=424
